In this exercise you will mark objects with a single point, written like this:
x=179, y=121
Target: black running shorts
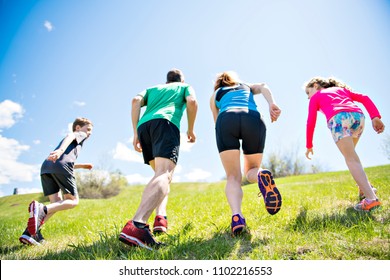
x=159, y=138
x=232, y=126
x=54, y=182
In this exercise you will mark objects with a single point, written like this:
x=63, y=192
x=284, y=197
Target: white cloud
x=122, y=152
x=185, y=146
x=37, y=142
x=137, y=179
x=48, y=25
x=197, y=175
x=10, y=168
x=10, y=112
x=26, y=190
x=80, y=103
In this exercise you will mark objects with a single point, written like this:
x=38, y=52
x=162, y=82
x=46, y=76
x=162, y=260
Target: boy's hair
x=326, y=83
x=175, y=75
x=81, y=122
x=226, y=79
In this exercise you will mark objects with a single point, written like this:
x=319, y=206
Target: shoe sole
x=132, y=241
x=28, y=240
x=271, y=194
x=32, y=224
x=238, y=229
x=374, y=208
x=159, y=229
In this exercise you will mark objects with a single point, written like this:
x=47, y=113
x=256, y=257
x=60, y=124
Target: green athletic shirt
x=165, y=101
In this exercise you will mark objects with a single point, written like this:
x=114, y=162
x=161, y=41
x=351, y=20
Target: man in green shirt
x=157, y=136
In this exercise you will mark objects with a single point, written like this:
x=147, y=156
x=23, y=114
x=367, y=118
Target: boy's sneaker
x=37, y=216
x=160, y=224
x=238, y=224
x=367, y=205
x=133, y=236
x=271, y=195
x=26, y=238
x=361, y=194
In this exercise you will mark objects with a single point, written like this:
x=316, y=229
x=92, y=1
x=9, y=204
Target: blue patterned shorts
x=346, y=124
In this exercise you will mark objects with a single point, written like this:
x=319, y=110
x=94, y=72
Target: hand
x=54, y=155
x=88, y=166
x=137, y=144
x=378, y=125
x=191, y=137
x=275, y=112
x=308, y=152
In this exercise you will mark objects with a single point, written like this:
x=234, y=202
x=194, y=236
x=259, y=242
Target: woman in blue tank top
x=236, y=118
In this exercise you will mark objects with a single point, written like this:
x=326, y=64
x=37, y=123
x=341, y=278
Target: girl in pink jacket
x=346, y=123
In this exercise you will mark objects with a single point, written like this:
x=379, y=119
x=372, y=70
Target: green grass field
x=316, y=222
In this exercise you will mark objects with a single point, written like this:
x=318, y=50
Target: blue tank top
x=238, y=96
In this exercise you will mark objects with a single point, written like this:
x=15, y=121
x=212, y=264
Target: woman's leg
x=234, y=194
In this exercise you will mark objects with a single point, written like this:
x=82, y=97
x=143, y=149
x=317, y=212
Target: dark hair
x=81, y=122
x=175, y=75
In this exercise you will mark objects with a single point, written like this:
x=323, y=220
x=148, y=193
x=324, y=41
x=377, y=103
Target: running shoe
x=134, y=236
x=361, y=194
x=26, y=238
x=160, y=224
x=238, y=224
x=37, y=217
x=271, y=195
x=367, y=205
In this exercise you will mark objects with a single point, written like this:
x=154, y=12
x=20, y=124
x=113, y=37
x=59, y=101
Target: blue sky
x=66, y=58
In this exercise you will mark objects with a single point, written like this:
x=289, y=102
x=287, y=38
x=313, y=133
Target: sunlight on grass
x=316, y=222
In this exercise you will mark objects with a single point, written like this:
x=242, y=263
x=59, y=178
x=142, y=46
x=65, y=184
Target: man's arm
x=192, y=108
x=136, y=105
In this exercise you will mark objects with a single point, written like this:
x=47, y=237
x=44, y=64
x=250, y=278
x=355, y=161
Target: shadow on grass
x=347, y=219
x=179, y=246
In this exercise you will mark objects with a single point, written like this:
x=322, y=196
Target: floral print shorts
x=346, y=124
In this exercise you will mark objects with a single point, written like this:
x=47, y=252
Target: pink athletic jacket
x=332, y=101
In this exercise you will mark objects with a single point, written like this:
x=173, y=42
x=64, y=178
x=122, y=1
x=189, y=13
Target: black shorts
x=159, y=138
x=231, y=127
x=54, y=182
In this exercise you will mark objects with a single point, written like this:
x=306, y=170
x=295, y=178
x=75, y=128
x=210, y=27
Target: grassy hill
x=316, y=221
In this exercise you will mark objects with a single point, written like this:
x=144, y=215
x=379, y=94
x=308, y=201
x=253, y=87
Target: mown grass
x=317, y=222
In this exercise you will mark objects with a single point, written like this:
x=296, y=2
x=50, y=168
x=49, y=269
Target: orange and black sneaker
x=367, y=205
x=271, y=195
x=238, y=224
x=138, y=236
x=160, y=224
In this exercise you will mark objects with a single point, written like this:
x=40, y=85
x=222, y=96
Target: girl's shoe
x=367, y=205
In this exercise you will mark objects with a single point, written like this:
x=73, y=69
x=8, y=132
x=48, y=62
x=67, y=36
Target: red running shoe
x=133, y=236
x=160, y=224
x=37, y=217
x=271, y=195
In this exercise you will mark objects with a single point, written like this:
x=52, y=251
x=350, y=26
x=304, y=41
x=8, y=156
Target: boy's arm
x=83, y=165
x=56, y=154
x=192, y=108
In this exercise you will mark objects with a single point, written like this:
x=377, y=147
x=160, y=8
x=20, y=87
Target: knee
x=234, y=178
